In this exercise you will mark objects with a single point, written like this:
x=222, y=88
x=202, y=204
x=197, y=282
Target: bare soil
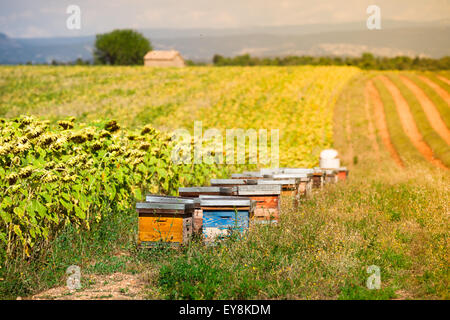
x=408, y=123
x=380, y=121
x=117, y=286
x=444, y=94
x=430, y=110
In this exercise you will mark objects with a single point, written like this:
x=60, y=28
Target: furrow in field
x=372, y=133
x=380, y=122
x=408, y=123
x=444, y=94
x=430, y=110
x=444, y=79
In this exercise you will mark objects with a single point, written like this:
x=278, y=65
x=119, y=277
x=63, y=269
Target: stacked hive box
x=223, y=216
x=267, y=201
x=169, y=222
x=228, y=205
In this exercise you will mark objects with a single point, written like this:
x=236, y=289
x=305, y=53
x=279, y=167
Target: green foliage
x=367, y=61
x=121, y=47
x=51, y=177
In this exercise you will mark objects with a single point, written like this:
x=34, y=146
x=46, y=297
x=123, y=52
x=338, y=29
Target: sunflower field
x=68, y=173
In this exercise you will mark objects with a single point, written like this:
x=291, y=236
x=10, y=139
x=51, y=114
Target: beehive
x=267, y=201
x=288, y=186
x=197, y=215
x=232, y=182
x=331, y=176
x=303, y=182
x=224, y=215
x=247, y=175
x=297, y=171
x=169, y=223
x=318, y=179
x=197, y=191
x=342, y=173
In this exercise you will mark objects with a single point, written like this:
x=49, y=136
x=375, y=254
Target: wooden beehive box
x=318, y=179
x=331, y=176
x=247, y=175
x=232, y=182
x=169, y=223
x=267, y=201
x=224, y=215
x=343, y=173
x=297, y=170
x=197, y=215
x=288, y=186
x=197, y=191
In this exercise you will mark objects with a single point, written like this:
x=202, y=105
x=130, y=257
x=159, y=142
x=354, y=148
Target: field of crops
x=60, y=176
x=296, y=100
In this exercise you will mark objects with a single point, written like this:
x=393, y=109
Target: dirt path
x=408, y=123
x=430, y=110
x=380, y=122
x=372, y=133
x=444, y=94
x=117, y=286
x=444, y=79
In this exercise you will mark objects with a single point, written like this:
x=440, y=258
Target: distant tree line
x=366, y=61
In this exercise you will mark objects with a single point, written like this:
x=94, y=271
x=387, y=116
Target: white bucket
x=330, y=163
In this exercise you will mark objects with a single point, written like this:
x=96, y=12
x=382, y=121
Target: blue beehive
x=223, y=216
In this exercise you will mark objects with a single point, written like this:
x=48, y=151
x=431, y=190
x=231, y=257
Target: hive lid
x=225, y=202
x=271, y=170
x=328, y=154
x=271, y=189
x=273, y=181
x=298, y=170
x=164, y=206
x=210, y=196
x=343, y=169
x=246, y=174
x=225, y=190
x=231, y=181
x=290, y=175
x=170, y=199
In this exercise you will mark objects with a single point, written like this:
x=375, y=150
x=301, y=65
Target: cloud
x=26, y=17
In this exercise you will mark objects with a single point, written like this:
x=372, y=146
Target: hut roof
x=161, y=55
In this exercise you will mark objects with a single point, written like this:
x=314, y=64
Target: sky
x=47, y=18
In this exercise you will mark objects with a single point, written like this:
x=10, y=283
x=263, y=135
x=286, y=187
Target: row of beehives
x=228, y=205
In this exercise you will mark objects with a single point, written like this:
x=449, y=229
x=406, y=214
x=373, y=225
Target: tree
x=121, y=47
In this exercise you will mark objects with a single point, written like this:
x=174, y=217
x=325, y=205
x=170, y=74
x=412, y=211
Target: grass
x=385, y=216
x=323, y=250
x=440, y=148
x=93, y=251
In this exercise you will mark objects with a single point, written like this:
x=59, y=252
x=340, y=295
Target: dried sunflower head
x=96, y=146
x=144, y=146
x=26, y=172
x=50, y=177
x=5, y=149
x=105, y=134
x=50, y=165
x=12, y=178
x=112, y=126
x=65, y=125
